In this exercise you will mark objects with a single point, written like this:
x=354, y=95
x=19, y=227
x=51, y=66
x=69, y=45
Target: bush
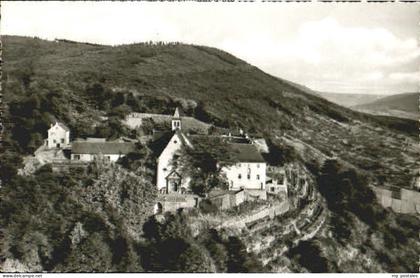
x=309, y=255
x=207, y=207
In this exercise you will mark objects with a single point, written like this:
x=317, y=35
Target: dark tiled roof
x=63, y=126
x=102, y=148
x=162, y=140
x=244, y=153
x=236, y=152
x=219, y=192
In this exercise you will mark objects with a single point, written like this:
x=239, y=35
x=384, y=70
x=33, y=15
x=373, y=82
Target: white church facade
x=168, y=178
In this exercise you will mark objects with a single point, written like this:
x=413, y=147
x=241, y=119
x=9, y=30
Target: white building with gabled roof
x=94, y=148
x=168, y=178
x=58, y=136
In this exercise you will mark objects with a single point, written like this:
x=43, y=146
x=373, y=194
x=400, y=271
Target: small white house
x=58, y=136
x=92, y=149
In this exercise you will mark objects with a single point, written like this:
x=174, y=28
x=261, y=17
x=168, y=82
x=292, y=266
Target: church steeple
x=176, y=120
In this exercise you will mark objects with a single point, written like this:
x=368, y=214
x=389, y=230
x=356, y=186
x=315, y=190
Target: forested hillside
x=78, y=83
x=92, y=87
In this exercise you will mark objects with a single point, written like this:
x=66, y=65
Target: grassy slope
x=233, y=91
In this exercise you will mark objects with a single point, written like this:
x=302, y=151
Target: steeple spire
x=176, y=120
x=176, y=114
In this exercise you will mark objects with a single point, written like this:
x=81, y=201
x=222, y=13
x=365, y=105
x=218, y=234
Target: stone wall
x=267, y=211
x=172, y=202
x=409, y=201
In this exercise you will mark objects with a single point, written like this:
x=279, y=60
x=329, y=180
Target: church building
x=248, y=170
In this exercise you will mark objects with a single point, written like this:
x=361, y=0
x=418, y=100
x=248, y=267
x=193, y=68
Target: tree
x=172, y=248
x=132, y=196
x=91, y=255
x=10, y=163
x=308, y=254
x=239, y=260
x=204, y=163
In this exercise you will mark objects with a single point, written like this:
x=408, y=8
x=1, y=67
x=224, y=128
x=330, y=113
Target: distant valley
x=349, y=100
x=403, y=105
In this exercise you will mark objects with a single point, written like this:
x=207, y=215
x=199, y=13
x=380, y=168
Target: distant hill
x=349, y=100
x=401, y=105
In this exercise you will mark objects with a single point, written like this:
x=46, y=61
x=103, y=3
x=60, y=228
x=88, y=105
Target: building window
x=258, y=165
x=54, y=141
x=175, y=141
x=272, y=189
x=258, y=177
x=239, y=176
x=248, y=176
x=164, y=169
x=62, y=140
x=77, y=156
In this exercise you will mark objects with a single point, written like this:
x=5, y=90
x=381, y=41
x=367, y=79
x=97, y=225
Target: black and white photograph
x=209, y=137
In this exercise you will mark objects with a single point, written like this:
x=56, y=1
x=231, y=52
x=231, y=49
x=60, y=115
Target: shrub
x=207, y=207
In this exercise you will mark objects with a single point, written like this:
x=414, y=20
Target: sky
x=333, y=47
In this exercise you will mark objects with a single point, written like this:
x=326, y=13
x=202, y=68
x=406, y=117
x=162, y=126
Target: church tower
x=176, y=120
